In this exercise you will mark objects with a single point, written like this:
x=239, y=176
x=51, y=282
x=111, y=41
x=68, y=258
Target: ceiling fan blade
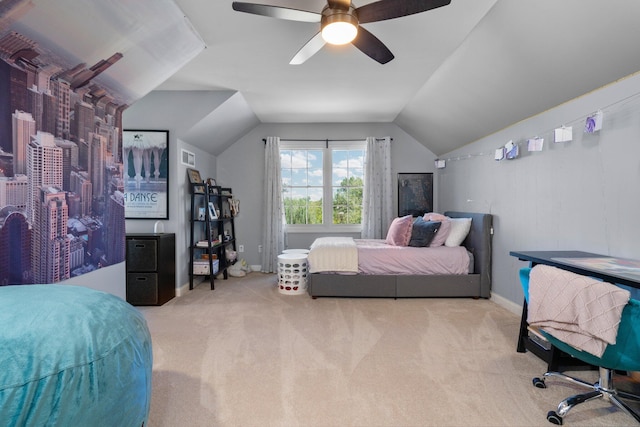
x=277, y=12
x=308, y=50
x=371, y=46
x=390, y=9
x=339, y=4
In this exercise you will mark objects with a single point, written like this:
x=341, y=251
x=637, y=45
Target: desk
x=610, y=269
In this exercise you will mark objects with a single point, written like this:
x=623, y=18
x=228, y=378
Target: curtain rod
x=324, y=140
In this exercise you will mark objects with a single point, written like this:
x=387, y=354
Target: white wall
x=111, y=279
x=241, y=167
x=580, y=195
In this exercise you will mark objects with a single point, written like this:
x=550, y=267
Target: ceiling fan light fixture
x=339, y=26
x=339, y=33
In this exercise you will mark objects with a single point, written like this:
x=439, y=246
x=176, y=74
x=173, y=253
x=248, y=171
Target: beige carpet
x=245, y=355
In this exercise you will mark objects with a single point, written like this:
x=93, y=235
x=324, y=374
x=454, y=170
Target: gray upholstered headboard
x=478, y=242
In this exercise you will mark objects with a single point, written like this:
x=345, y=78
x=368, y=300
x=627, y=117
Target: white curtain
x=377, y=209
x=273, y=214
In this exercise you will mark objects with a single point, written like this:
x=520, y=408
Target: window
x=302, y=185
x=322, y=186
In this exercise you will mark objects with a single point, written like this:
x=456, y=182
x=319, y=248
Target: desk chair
x=622, y=356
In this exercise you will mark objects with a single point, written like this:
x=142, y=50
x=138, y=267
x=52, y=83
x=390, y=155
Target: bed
x=476, y=284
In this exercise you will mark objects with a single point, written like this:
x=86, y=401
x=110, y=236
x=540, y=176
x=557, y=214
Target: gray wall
x=166, y=111
x=581, y=195
x=241, y=167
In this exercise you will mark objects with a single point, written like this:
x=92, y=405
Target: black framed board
x=415, y=193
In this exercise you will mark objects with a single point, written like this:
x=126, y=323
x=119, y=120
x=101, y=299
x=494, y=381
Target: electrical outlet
x=259, y=248
x=241, y=248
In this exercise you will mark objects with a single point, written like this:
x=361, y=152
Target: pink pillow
x=432, y=216
x=399, y=232
x=442, y=234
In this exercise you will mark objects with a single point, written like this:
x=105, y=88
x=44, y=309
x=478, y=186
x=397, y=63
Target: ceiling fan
x=340, y=23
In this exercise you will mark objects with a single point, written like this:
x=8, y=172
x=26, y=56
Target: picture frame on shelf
x=213, y=214
x=213, y=187
x=145, y=158
x=194, y=178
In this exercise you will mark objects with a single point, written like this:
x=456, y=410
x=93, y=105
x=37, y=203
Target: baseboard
x=182, y=290
x=505, y=303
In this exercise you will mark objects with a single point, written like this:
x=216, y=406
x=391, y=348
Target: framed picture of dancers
x=145, y=173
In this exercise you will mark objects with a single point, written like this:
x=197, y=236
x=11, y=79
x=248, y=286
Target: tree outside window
x=347, y=177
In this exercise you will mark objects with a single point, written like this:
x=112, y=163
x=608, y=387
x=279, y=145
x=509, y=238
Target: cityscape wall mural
x=62, y=210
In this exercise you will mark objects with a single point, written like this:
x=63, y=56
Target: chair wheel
x=554, y=418
x=539, y=383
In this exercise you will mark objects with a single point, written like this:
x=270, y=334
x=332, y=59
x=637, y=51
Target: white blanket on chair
x=578, y=310
x=329, y=254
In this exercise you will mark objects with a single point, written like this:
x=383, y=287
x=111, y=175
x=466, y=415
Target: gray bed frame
x=476, y=285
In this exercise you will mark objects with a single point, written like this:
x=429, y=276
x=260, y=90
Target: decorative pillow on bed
x=423, y=232
x=459, y=230
x=433, y=216
x=442, y=234
x=399, y=232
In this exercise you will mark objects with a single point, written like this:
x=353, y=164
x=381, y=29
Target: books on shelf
x=205, y=244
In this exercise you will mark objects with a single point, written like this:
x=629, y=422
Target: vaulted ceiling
x=460, y=72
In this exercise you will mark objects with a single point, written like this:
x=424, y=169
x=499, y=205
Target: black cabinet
x=212, y=232
x=151, y=268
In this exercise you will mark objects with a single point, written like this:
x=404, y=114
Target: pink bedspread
x=376, y=257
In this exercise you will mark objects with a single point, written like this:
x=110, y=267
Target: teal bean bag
x=72, y=356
